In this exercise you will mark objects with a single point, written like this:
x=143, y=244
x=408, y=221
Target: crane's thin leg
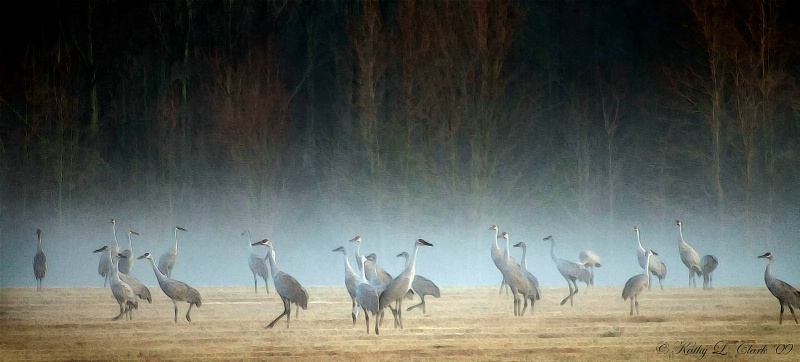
x=175, y=304
x=287, y=309
x=637, y=304
x=296, y=310
x=354, y=311
x=188, y=318
x=780, y=316
x=266, y=284
x=366, y=317
x=792, y=310
x=255, y=282
x=122, y=310
x=524, y=297
x=377, y=318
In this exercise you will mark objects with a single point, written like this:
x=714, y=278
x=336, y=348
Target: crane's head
x=104, y=248
x=678, y=222
x=652, y=252
x=635, y=228
x=766, y=255
x=548, y=238
x=503, y=235
x=120, y=255
x=372, y=257
x=356, y=239
x=38, y=233
x=146, y=256
x=519, y=245
x=180, y=228
x=494, y=227
x=131, y=232
x=264, y=242
x=422, y=242
x=403, y=254
x=113, y=221
x=341, y=248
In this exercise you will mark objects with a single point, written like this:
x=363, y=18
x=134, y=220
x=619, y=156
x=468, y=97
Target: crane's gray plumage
x=176, y=290
x=517, y=281
x=258, y=265
x=167, y=260
x=287, y=287
x=139, y=289
x=422, y=286
x=124, y=265
x=689, y=256
x=121, y=290
x=708, y=264
x=104, y=268
x=367, y=298
x=590, y=260
x=398, y=288
x=657, y=267
x=376, y=271
x=570, y=270
x=537, y=293
x=786, y=294
x=350, y=282
x=39, y=262
x=498, y=258
x=637, y=283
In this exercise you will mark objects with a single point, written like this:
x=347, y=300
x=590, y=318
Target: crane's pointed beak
x=101, y=250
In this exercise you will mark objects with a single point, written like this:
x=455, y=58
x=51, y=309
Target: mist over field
x=309, y=123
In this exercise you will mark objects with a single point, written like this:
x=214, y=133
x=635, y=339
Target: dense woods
x=406, y=111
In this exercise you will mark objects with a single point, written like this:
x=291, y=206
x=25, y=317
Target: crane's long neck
x=130, y=244
x=114, y=230
x=160, y=276
x=524, y=262
x=680, y=231
x=552, y=249
x=347, y=267
x=647, y=263
x=175, y=247
x=40, y=243
x=114, y=270
x=638, y=240
x=272, y=265
x=506, y=254
x=496, y=235
x=411, y=267
x=405, y=256
x=768, y=271
x=363, y=272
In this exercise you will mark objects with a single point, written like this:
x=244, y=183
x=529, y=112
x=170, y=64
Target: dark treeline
x=407, y=111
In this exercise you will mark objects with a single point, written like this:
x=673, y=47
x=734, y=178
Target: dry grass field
x=466, y=323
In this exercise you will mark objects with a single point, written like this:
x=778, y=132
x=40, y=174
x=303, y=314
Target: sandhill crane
x=570, y=270
x=657, y=267
x=590, y=260
x=708, y=264
x=39, y=262
x=139, y=289
x=637, y=283
x=517, y=281
x=376, y=271
x=498, y=257
x=689, y=257
x=167, y=260
x=367, y=297
x=258, y=265
x=176, y=290
x=786, y=294
x=104, y=267
x=121, y=290
x=537, y=293
x=422, y=286
x=398, y=288
x=350, y=282
x=357, y=239
x=287, y=287
x=125, y=264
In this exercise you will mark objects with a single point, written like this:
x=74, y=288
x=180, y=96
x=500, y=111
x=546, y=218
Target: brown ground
x=468, y=323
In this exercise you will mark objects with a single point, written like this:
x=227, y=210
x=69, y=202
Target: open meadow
x=466, y=323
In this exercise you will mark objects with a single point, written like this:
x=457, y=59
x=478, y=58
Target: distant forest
x=420, y=111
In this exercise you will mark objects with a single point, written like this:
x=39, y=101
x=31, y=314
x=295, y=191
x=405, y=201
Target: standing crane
x=517, y=281
x=590, y=260
x=422, y=286
x=498, y=258
x=637, y=283
x=708, y=264
x=39, y=262
x=351, y=283
x=398, y=288
x=537, y=293
x=176, y=290
x=357, y=239
x=570, y=270
x=121, y=290
x=167, y=260
x=124, y=265
x=657, y=267
x=786, y=294
x=689, y=257
x=139, y=289
x=367, y=298
x=287, y=287
x=258, y=265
